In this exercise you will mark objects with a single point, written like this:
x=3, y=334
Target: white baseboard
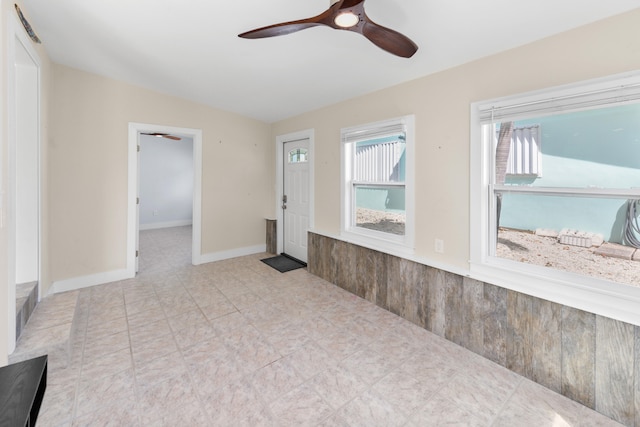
x=169, y=224
x=233, y=253
x=90, y=280
x=117, y=275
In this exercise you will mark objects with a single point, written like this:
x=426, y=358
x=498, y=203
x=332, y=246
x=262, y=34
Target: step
x=615, y=250
x=579, y=238
x=26, y=301
x=49, y=331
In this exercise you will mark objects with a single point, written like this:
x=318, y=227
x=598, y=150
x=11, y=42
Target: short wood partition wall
x=271, y=236
x=591, y=359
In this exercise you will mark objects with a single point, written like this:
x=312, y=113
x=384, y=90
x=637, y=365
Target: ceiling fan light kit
x=346, y=20
x=346, y=15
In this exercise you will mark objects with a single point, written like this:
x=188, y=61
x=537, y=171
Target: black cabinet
x=22, y=387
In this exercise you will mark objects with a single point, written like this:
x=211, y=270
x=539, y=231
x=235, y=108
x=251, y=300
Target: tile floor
x=236, y=343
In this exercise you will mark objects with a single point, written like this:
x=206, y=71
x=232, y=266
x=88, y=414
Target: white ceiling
x=190, y=48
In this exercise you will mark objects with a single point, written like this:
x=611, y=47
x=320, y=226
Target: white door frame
x=16, y=34
x=132, y=217
x=280, y=140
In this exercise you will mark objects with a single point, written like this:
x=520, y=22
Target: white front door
x=295, y=199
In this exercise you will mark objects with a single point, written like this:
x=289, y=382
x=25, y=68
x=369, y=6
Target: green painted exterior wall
x=594, y=148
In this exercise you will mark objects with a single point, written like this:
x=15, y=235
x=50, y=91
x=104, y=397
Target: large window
x=576, y=225
x=377, y=176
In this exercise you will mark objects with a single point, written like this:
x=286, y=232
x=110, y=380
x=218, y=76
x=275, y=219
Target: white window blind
x=374, y=132
x=596, y=95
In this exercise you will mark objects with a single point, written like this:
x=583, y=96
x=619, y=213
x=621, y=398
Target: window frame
x=610, y=299
x=386, y=242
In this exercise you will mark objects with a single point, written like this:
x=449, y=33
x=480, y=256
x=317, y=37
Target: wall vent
x=579, y=238
x=524, y=154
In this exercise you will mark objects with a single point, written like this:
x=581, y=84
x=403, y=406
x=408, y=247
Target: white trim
x=169, y=224
x=280, y=141
x=196, y=239
x=479, y=203
x=76, y=283
x=15, y=34
x=232, y=253
x=132, y=226
x=601, y=297
x=132, y=195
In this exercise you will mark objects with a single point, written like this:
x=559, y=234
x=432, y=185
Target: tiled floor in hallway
x=236, y=343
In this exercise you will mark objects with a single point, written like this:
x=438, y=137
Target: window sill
x=369, y=240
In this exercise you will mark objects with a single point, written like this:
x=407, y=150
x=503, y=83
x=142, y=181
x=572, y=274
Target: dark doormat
x=283, y=263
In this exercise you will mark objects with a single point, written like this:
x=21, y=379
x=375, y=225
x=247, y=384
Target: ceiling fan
x=344, y=15
x=162, y=135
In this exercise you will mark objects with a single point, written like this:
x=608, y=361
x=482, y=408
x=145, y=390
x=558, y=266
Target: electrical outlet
x=439, y=246
x=155, y=212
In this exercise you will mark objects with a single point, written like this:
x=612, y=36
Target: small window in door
x=298, y=155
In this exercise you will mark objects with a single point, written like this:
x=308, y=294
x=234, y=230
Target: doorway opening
x=171, y=160
x=166, y=201
x=294, y=196
x=23, y=189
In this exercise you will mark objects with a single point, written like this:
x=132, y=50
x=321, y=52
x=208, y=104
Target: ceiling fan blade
x=163, y=135
x=325, y=18
x=278, y=29
x=388, y=39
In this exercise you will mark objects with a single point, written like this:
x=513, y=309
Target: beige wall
x=7, y=15
x=88, y=171
x=441, y=103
